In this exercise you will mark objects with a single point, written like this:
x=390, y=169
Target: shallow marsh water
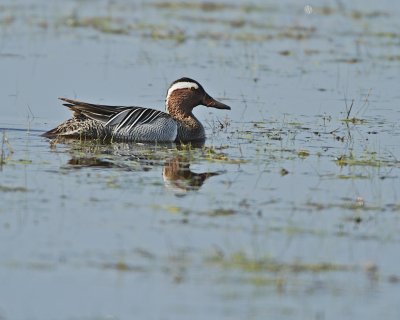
x=289, y=210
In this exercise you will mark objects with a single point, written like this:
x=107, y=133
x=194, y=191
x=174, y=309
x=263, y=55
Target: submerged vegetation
x=366, y=160
x=102, y=24
x=6, y=150
x=240, y=260
x=224, y=21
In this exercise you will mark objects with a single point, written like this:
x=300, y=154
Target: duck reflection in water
x=177, y=175
x=179, y=178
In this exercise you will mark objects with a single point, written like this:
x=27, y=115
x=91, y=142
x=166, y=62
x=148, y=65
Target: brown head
x=185, y=94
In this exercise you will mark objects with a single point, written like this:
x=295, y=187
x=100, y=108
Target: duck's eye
x=192, y=88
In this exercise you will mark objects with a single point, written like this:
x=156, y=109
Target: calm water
x=286, y=212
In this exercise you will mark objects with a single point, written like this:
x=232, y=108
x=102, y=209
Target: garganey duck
x=121, y=123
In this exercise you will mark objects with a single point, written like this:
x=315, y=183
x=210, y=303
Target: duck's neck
x=189, y=127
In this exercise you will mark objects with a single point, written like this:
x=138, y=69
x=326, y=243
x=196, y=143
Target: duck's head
x=185, y=94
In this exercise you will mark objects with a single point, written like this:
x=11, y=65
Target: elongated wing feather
x=97, y=112
x=119, y=117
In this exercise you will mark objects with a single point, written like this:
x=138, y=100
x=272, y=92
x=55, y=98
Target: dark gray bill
x=211, y=102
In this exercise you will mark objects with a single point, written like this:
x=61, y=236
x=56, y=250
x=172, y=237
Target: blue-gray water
x=286, y=212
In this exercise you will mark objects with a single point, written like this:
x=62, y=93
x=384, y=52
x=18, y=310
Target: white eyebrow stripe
x=176, y=86
x=182, y=85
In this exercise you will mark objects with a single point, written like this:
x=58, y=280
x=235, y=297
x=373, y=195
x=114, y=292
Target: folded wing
x=120, y=118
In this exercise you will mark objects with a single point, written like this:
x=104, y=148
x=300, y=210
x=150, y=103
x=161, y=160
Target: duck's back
x=116, y=123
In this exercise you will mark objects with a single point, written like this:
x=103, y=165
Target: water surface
x=290, y=209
